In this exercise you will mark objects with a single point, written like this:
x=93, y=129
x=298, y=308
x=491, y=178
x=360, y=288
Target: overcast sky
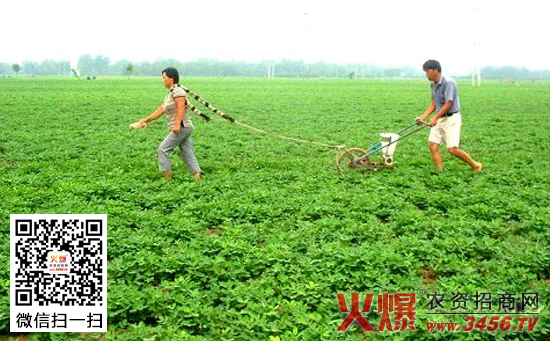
x=388, y=33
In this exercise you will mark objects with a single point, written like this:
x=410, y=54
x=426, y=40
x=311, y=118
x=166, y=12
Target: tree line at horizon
x=102, y=66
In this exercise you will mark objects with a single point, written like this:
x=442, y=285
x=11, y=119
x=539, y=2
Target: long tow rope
x=261, y=131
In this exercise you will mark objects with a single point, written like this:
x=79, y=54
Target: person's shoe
x=478, y=167
x=167, y=176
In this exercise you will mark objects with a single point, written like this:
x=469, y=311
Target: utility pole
x=476, y=70
x=270, y=70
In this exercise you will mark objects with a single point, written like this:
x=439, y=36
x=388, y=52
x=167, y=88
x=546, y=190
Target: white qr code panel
x=58, y=273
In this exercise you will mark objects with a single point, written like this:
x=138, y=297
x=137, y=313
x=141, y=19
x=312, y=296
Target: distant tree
x=16, y=68
x=65, y=68
x=5, y=68
x=102, y=65
x=30, y=68
x=86, y=64
x=505, y=72
x=47, y=67
x=129, y=70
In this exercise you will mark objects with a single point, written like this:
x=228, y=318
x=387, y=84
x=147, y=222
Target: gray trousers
x=185, y=143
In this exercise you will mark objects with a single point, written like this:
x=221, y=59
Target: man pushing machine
x=446, y=124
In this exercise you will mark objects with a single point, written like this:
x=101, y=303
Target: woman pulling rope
x=176, y=108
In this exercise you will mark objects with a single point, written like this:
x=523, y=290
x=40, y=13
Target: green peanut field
x=260, y=248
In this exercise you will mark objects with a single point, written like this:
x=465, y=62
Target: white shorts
x=447, y=131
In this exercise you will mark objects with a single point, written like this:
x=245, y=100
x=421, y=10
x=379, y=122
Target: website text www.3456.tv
x=399, y=312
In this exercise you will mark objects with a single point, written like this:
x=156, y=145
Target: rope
x=286, y=137
x=206, y=104
x=198, y=112
x=231, y=119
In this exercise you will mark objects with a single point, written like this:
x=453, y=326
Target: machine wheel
x=346, y=160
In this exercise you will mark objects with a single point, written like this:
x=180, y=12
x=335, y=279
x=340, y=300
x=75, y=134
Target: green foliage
x=129, y=69
x=16, y=68
x=259, y=249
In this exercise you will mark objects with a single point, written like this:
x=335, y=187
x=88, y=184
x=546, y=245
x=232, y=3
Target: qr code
x=58, y=273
